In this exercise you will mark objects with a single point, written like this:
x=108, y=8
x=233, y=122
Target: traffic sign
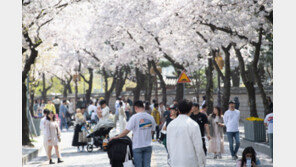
x=183, y=78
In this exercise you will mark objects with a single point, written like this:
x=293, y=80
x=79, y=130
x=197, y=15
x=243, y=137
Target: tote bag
x=128, y=162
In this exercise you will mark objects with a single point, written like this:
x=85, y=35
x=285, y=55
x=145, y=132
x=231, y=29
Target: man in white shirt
x=142, y=124
x=42, y=128
x=268, y=121
x=231, y=121
x=91, y=107
x=184, y=141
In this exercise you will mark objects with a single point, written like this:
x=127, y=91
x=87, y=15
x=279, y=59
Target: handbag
x=128, y=162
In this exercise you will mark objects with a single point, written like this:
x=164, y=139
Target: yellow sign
x=184, y=78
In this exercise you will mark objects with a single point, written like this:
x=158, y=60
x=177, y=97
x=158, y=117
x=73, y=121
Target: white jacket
x=184, y=143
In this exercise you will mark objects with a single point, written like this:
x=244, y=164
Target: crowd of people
x=183, y=128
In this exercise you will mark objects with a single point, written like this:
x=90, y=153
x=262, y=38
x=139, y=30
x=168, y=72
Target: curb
x=32, y=153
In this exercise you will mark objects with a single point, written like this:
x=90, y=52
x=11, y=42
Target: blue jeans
x=63, y=123
x=230, y=136
x=142, y=156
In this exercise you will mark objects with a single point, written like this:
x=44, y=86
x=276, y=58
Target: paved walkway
x=98, y=158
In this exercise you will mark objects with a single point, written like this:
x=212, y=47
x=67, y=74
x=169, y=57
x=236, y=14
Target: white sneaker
x=78, y=149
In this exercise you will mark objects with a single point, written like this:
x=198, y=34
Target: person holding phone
x=249, y=158
x=216, y=144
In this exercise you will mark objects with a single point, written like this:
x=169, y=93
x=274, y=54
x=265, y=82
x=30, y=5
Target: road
x=99, y=158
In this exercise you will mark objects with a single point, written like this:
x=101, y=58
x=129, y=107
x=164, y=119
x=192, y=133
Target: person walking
x=156, y=115
x=142, y=124
x=202, y=120
x=53, y=136
x=152, y=105
x=122, y=118
x=117, y=106
x=184, y=140
x=50, y=106
x=43, y=131
x=204, y=109
x=63, y=115
x=91, y=108
x=79, y=120
x=268, y=121
x=231, y=120
x=172, y=116
x=248, y=154
x=147, y=107
x=127, y=109
x=216, y=144
x=236, y=102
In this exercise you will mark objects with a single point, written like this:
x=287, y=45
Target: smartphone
x=248, y=163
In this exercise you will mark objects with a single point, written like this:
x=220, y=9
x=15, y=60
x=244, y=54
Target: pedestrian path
x=99, y=158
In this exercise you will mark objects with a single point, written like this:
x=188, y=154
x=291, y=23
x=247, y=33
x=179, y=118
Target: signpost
x=183, y=78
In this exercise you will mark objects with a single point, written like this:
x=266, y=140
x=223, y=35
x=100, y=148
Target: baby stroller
x=117, y=151
x=98, y=138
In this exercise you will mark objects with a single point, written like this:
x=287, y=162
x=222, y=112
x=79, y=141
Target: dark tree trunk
x=209, y=87
x=65, y=90
x=121, y=80
x=31, y=109
x=69, y=88
x=109, y=92
x=90, y=84
x=249, y=84
x=76, y=91
x=235, y=76
x=257, y=73
x=226, y=81
x=179, y=88
x=25, y=122
x=148, y=83
x=140, y=83
x=44, y=88
x=162, y=83
x=25, y=72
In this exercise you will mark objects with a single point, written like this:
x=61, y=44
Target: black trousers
x=204, y=145
x=157, y=132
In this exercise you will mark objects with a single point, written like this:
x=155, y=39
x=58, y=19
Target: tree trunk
x=226, y=81
x=162, y=83
x=109, y=92
x=156, y=89
x=249, y=84
x=31, y=109
x=140, y=83
x=69, y=88
x=65, y=90
x=258, y=76
x=209, y=87
x=235, y=76
x=148, y=83
x=76, y=90
x=43, y=88
x=179, y=88
x=90, y=84
x=121, y=80
x=25, y=122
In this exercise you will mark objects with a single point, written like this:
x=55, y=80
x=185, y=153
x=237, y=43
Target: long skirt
x=76, y=135
x=216, y=145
